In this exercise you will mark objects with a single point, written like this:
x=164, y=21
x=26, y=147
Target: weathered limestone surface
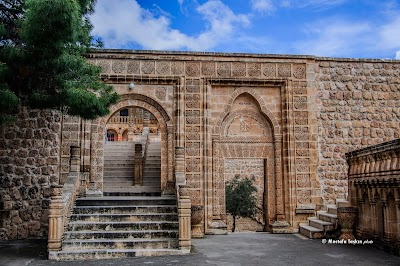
x=290, y=118
x=29, y=163
x=358, y=105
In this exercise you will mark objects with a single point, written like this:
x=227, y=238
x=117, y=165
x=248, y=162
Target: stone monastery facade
x=287, y=121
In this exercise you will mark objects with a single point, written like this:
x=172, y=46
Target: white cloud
x=390, y=34
x=397, y=55
x=128, y=23
x=262, y=5
x=335, y=37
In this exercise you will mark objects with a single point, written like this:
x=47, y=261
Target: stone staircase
x=118, y=179
x=120, y=227
x=325, y=223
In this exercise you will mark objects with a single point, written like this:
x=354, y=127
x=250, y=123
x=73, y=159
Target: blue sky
x=332, y=28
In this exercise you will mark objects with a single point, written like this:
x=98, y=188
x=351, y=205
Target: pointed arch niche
x=246, y=141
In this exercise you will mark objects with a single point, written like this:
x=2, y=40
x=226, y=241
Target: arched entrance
x=246, y=142
x=132, y=159
x=165, y=138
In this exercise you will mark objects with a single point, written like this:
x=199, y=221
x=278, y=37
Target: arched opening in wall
x=132, y=161
x=246, y=149
x=392, y=221
x=112, y=135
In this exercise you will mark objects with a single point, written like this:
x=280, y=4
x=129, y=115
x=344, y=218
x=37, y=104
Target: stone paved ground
x=233, y=249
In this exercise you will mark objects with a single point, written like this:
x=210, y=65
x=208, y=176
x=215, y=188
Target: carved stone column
x=184, y=214
x=180, y=166
x=280, y=225
x=56, y=219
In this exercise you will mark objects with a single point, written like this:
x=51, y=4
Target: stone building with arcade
x=286, y=121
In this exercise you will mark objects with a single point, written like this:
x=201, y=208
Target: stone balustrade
x=374, y=187
x=184, y=203
x=62, y=201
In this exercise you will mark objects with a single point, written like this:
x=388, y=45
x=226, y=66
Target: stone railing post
x=138, y=165
x=75, y=161
x=184, y=213
x=56, y=217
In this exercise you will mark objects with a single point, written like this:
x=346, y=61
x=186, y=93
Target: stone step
x=140, y=243
x=327, y=217
x=122, y=226
x=83, y=254
x=125, y=209
x=128, y=201
x=120, y=234
x=133, y=190
x=342, y=203
x=120, y=217
x=332, y=209
x=310, y=232
x=320, y=224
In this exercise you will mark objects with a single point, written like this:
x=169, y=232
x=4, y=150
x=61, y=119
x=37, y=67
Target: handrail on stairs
x=62, y=202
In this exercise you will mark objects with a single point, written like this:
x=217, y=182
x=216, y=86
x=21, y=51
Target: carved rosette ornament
x=347, y=219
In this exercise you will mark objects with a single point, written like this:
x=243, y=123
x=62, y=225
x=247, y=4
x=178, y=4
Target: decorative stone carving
x=301, y=133
x=162, y=68
x=193, y=117
x=193, y=165
x=148, y=67
x=301, y=118
x=239, y=69
x=161, y=93
x=300, y=103
x=193, y=133
x=284, y=70
x=299, y=71
x=177, y=68
x=224, y=69
x=105, y=66
x=303, y=180
x=347, y=219
x=197, y=213
x=118, y=66
x=208, y=68
x=269, y=70
x=133, y=67
x=193, y=69
x=192, y=101
x=254, y=69
x=302, y=149
x=193, y=149
x=304, y=196
x=302, y=165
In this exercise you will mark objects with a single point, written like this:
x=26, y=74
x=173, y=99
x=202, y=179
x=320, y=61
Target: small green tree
x=241, y=198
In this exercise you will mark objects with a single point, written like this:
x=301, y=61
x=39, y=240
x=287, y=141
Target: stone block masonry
x=29, y=163
x=358, y=105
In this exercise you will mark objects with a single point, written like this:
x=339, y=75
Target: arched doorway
x=132, y=161
x=246, y=142
x=97, y=143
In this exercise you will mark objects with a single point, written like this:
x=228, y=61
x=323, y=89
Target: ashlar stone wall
x=358, y=105
x=29, y=163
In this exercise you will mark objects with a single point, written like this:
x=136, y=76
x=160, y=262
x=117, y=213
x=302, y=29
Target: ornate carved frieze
x=269, y=70
x=254, y=69
x=119, y=66
x=148, y=67
x=163, y=68
x=284, y=70
x=224, y=69
x=239, y=69
x=133, y=67
x=208, y=68
x=193, y=69
x=299, y=71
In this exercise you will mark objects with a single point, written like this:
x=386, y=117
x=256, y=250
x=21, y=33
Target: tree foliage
x=241, y=198
x=42, y=63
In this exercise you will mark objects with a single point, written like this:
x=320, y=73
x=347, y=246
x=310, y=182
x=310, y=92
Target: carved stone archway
x=95, y=185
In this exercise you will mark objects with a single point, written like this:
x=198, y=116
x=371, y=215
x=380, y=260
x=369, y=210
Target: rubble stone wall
x=358, y=105
x=29, y=163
